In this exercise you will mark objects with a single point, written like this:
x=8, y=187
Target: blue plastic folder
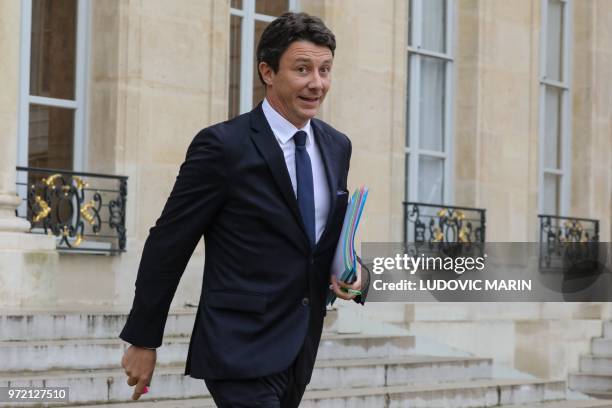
x=344, y=264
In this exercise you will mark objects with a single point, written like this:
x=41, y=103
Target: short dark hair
x=286, y=29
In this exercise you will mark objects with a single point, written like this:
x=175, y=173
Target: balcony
x=85, y=211
x=567, y=242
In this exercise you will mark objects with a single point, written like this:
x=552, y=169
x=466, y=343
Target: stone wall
x=158, y=75
x=592, y=114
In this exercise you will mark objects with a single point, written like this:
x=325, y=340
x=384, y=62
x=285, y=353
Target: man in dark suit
x=268, y=191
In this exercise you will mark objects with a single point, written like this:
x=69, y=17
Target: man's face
x=298, y=88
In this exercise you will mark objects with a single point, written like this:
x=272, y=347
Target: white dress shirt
x=283, y=131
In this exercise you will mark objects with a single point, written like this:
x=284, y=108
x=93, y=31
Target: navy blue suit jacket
x=264, y=286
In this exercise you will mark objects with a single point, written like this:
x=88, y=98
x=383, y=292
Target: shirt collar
x=283, y=129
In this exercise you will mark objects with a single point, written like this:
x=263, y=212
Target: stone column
x=9, y=105
x=28, y=262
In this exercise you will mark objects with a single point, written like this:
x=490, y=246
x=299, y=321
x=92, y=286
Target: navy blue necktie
x=305, y=184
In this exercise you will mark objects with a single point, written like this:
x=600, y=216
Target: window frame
x=247, y=47
x=79, y=104
x=565, y=123
x=412, y=150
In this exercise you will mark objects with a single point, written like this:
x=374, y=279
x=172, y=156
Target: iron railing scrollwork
x=436, y=223
x=567, y=242
x=452, y=230
x=85, y=211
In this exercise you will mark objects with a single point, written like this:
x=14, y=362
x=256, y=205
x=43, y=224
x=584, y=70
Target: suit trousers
x=273, y=391
x=280, y=390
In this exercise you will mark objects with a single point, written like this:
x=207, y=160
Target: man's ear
x=266, y=73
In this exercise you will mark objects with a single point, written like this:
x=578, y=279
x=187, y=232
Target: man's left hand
x=337, y=285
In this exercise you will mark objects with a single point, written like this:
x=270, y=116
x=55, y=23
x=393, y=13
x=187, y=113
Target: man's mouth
x=308, y=99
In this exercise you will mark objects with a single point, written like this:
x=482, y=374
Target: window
x=52, y=85
x=248, y=19
x=429, y=113
x=555, y=108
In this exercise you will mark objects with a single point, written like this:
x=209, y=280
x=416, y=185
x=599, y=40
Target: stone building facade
x=490, y=104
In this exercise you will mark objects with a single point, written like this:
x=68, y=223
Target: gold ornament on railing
x=44, y=209
x=437, y=235
x=80, y=184
x=85, y=212
x=463, y=235
x=574, y=229
x=51, y=180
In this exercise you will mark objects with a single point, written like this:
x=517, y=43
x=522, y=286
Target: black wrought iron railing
x=554, y=228
x=567, y=241
x=431, y=223
x=85, y=211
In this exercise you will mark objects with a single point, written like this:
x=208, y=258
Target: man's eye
x=301, y=70
x=325, y=70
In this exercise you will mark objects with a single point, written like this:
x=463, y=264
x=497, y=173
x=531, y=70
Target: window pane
x=431, y=135
x=434, y=25
x=51, y=135
x=552, y=129
x=271, y=7
x=554, y=40
x=259, y=91
x=552, y=192
x=237, y=4
x=53, y=48
x=234, y=79
x=431, y=180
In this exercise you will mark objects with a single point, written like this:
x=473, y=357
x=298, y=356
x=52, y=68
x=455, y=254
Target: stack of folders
x=344, y=264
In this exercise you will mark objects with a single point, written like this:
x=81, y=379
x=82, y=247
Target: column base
x=8, y=220
x=28, y=270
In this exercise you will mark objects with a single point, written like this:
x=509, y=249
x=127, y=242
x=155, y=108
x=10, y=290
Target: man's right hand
x=139, y=363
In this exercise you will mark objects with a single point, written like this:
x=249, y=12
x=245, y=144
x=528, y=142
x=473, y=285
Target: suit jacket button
x=305, y=302
x=312, y=260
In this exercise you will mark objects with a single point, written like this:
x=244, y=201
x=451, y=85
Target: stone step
x=590, y=403
x=40, y=355
x=105, y=353
x=607, y=329
x=328, y=374
x=159, y=403
x=45, y=325
x=585, y=380
x=602, y=395
x=348, y=346
x=333, y=374
x=209, y=403
x=601, y=346
x=596, y=364
x=478, y=393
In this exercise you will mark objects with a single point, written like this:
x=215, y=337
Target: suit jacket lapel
x=328, y=153
x=268, y=147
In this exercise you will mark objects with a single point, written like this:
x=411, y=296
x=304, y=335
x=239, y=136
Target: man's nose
x=316, y=81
